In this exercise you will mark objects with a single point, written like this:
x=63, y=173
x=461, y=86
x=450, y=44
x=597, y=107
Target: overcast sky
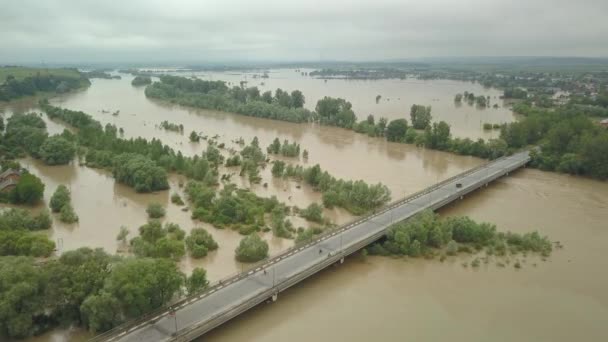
x=68, y=31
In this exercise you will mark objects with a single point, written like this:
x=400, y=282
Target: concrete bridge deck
x=193, y=316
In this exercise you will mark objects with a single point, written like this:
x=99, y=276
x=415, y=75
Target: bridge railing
x=159, y=313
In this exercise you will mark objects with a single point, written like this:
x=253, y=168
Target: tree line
x=426, y=234
x=238, y=99
x=86, y=287
x=14, y=88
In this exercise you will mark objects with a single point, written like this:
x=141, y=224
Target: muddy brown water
x=389, y=298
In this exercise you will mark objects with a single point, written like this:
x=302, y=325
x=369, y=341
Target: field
x=22, y=72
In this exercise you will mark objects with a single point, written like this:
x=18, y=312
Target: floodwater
x=562, y=299
x=397, y=97
x=390, y=298
x=104, y=206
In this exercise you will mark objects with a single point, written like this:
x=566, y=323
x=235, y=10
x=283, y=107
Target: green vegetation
x=122, y=234
x=17, y=238
x=132, y=288
x=100, y=74
x=396, y=129
x=358, y=197
x=306, y=235
x=281, y=226
x=278, y=168
x=23, y=219
x=235, y=160
x=194, y=137
x=56, y=150
x=67, y=214
x=286, y=149
x=139, y=172
x=197, y=281
x=253, y=158
x=141, y=80
x=314, y=213
x=200, y=242
x=25, y=133
x=155, y=210
x=156, y=241
x=426, y=234
x=420, y=116
x=29, y=190
x=16, y=82
x=238, y=209
x=335, y=112
x=61, y=203
x=251, y=249
x=371, y=127
x=168, y=126
x=177, y=199
x=139, y=163
x=216, y=95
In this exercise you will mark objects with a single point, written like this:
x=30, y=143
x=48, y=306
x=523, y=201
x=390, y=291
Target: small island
x=141, y=81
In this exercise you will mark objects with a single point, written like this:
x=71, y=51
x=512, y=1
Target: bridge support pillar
x=275, y=297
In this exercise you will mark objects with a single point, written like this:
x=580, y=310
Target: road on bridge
x=194, y=316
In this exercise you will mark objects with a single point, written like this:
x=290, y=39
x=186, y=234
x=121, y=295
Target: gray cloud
x=241, y=30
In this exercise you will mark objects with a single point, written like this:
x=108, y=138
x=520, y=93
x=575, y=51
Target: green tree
x=297, y=99
x=420, y=116
x=155, y=210
x=278, y=168
x=21, y=296
x=314, y=212
x=251, y=249
x=336, y=112
x=122, y=234
x=396, y=130
x=60, y=197
x=197, y=281
x=199, y=242
x=29, y=190
x=142, y=284
x=101, y=312
x=194, y=137
x=67, y=214
x=57, y=151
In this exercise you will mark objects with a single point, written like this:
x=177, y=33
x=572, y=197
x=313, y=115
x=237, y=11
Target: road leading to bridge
x=195, y=315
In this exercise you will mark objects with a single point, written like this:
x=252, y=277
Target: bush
x=155, y=210
x=67, y=214
x=313, y=212
x=60, y=197
x=197, y=281
x=57, y=151
x=29, y=190
x=177, y=199
x=200, y=242
x=139, y=172
x=156, y=241
x=15, y=219
x=251, y=249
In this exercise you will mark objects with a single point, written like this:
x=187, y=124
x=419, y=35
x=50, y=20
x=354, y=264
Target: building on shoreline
x=9, y=179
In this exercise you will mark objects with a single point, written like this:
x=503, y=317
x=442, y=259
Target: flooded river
x=397, y=97
x=379, y=297
x=562, y=299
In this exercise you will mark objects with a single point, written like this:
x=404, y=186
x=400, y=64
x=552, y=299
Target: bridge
x=195, y=315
